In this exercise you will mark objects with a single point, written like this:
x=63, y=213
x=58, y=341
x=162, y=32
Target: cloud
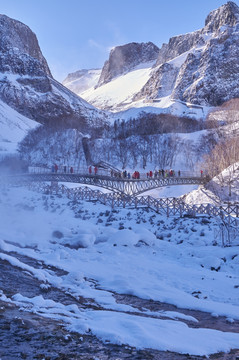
x=94, y=44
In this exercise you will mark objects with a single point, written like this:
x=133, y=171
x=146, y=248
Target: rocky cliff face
x=200, y=67
x=124, y=58
x=19, y=45
x=26, y=83
x=226, y=15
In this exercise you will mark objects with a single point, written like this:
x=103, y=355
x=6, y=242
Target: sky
x=78, y=34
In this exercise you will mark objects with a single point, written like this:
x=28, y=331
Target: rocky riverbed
x=25, y=335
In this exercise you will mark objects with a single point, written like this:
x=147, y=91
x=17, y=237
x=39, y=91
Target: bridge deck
x=128, y=186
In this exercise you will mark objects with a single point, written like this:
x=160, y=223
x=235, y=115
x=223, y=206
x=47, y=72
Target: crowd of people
x=150, y=174
x=163, y=173
x=64, y=169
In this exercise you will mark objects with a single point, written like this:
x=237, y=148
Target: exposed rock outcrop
x=19, y=49
x=26, y=83
x=200, y=67
x=124, y=58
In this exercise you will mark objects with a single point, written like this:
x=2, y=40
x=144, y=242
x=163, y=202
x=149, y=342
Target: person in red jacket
x=95, y=170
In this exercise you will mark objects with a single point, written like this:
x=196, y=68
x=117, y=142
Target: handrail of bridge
x=229, y=213
x=110, y=173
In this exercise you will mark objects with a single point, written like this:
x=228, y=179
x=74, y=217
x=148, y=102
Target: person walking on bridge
x=90, y=170
x=95, y=170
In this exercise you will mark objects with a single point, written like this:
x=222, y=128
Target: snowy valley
x=85, y=278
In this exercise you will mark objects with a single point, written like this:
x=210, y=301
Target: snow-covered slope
x=118, y=96
x=82, y=80
x=110, y=95
x=14, y=127
x=224, y=187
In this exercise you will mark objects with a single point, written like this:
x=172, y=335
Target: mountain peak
x=227, y=14
x=125, y=57
x=17, y=38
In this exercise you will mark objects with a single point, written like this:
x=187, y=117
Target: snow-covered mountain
x=27, y=86
x=82, y=80
x=124, y=58
x=192, y=72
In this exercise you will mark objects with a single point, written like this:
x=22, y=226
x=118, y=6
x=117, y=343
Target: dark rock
x=126, y=57
x=207, y=73
x=57, y=234
x=28, y=86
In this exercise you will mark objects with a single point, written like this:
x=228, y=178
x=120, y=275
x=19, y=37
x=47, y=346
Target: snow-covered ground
x=119, y=90
x=222, y=188
x=14, y=127
x=124, y=251
x=118, y=94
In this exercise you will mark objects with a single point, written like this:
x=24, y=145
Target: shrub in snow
x=57, y=234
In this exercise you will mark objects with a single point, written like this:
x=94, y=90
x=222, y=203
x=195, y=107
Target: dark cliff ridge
x=209, y=73
x=227, y=14
x=26, y=83
x=124, y=58
x=17, y=43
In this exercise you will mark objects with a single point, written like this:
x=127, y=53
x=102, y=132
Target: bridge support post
x=157, y=206
x=181, y=210
x=54, y=186
x=167, y=208
x=174, y=206
x=194, y=211
x=209, y=209
x=136, y=202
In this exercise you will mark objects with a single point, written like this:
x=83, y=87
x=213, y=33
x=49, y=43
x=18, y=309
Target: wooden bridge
x=227, y=215
x=113, y=181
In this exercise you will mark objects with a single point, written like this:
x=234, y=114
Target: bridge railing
x=67, y=170
x=227, y=215
x=110, y=173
